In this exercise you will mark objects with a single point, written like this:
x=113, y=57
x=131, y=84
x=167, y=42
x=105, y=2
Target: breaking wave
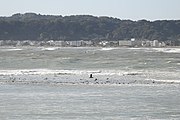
x=107, y=49
x=11, y=49
x=50, y=48
x=167, y=50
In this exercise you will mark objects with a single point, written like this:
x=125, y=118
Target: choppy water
x=152, y=63
x=89, y=58
x=82, y=101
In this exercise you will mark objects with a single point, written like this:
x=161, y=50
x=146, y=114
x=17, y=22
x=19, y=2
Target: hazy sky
x=123, y=9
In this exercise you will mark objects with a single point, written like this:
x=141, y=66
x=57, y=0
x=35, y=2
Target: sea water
x=116, y=100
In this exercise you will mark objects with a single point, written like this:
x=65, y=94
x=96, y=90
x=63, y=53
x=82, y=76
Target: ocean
x=53, y=83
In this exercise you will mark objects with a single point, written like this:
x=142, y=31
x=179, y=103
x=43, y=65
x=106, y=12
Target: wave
x=167, y=81
x=127, y=74
x=167, y=50
x=11, y=49
x=66, y=58
x=50, y=48
x=133, y=48
x=45, y=72
x=69, y=72
x=78, y=72
x=107, y=49
x=47, y=76
x=164, y=50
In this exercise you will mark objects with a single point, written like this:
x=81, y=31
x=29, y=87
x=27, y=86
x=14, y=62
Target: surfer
x=91, y=76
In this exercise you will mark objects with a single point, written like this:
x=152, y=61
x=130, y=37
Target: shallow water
x=90, y=102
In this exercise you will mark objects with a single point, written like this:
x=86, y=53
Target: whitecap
x=107, y=49
x=167, y=81
x=50, y=48
x=167, y=50
x=46, y=72
x=168, y=61
x=136, y=48
x=14, y=49
x=66, y=58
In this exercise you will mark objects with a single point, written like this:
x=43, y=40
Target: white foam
x=107, y=49
x=11, y=49
x=168, y=81
x=45, y=72
x=167, y=50
x=117, y=73
x=168, y=61
x=136, y=48
x=66, y=58
x=75, y=72
x=50, y=48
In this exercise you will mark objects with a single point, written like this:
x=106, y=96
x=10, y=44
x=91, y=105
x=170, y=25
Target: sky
x=122, y=9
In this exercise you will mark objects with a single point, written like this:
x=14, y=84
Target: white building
x=125, y=43
x=87, y=43
x=136, y=43
x=103, y=43
x=75, y=43
x=50, y=42
x=1, y=43
x=155, y=43
x=147, y=43
x=60, y=43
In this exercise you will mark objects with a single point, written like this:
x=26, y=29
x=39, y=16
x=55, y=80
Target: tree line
x=31, y=26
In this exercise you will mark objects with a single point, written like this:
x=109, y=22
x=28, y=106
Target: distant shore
x=83, y=43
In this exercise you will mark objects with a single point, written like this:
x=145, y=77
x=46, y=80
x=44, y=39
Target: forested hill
x=31, y=26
